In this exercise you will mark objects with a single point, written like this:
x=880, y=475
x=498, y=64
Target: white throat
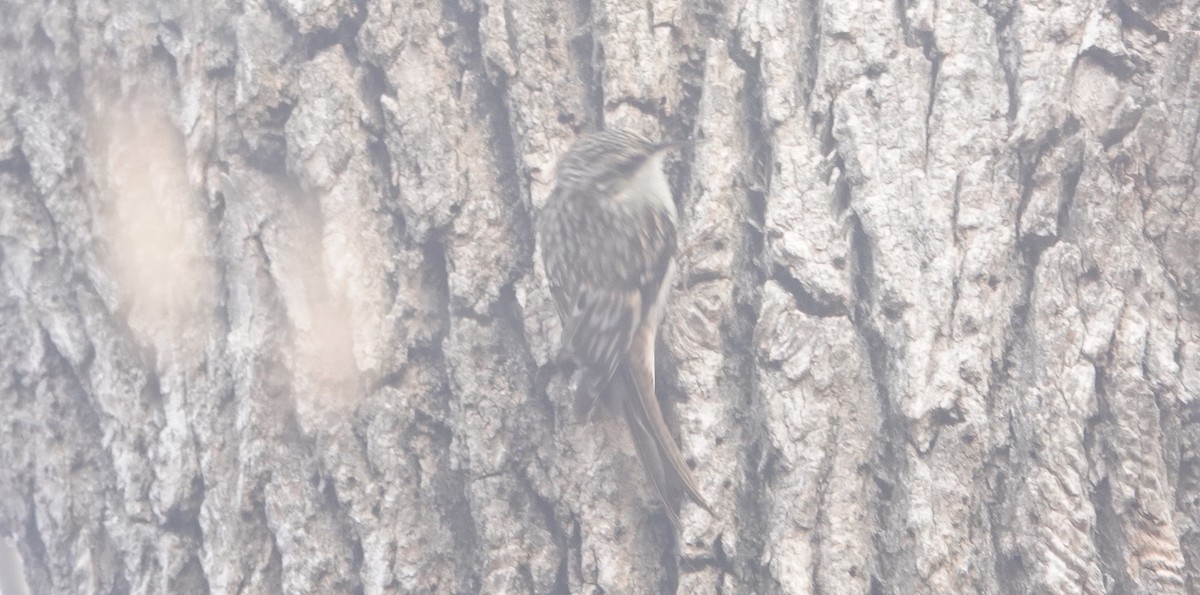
x=651, y=183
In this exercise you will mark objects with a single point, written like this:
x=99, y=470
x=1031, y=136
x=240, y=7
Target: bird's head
x=601, y=164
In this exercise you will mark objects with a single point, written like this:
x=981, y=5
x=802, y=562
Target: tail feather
x=648, y=454
x=656, y=448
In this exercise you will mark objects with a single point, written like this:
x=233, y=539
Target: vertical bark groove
x=272, y=318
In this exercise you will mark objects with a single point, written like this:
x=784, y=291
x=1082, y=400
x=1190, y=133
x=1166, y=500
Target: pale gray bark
x=271, y=318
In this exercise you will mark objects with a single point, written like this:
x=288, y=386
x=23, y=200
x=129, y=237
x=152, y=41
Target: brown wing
x=598, y=330
x=598, y=306
x=609, y=261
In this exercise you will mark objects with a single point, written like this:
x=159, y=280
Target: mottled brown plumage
x=608, y=243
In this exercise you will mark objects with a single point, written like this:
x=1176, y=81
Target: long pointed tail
x=655, y=447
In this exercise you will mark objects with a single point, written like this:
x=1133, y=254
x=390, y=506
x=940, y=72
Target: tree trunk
x=272, y=318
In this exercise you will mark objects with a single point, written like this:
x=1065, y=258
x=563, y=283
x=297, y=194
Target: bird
x=608, y=240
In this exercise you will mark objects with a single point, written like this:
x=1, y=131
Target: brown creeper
x=608, y=243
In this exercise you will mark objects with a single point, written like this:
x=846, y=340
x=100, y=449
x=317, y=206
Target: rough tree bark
x=271, y=318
